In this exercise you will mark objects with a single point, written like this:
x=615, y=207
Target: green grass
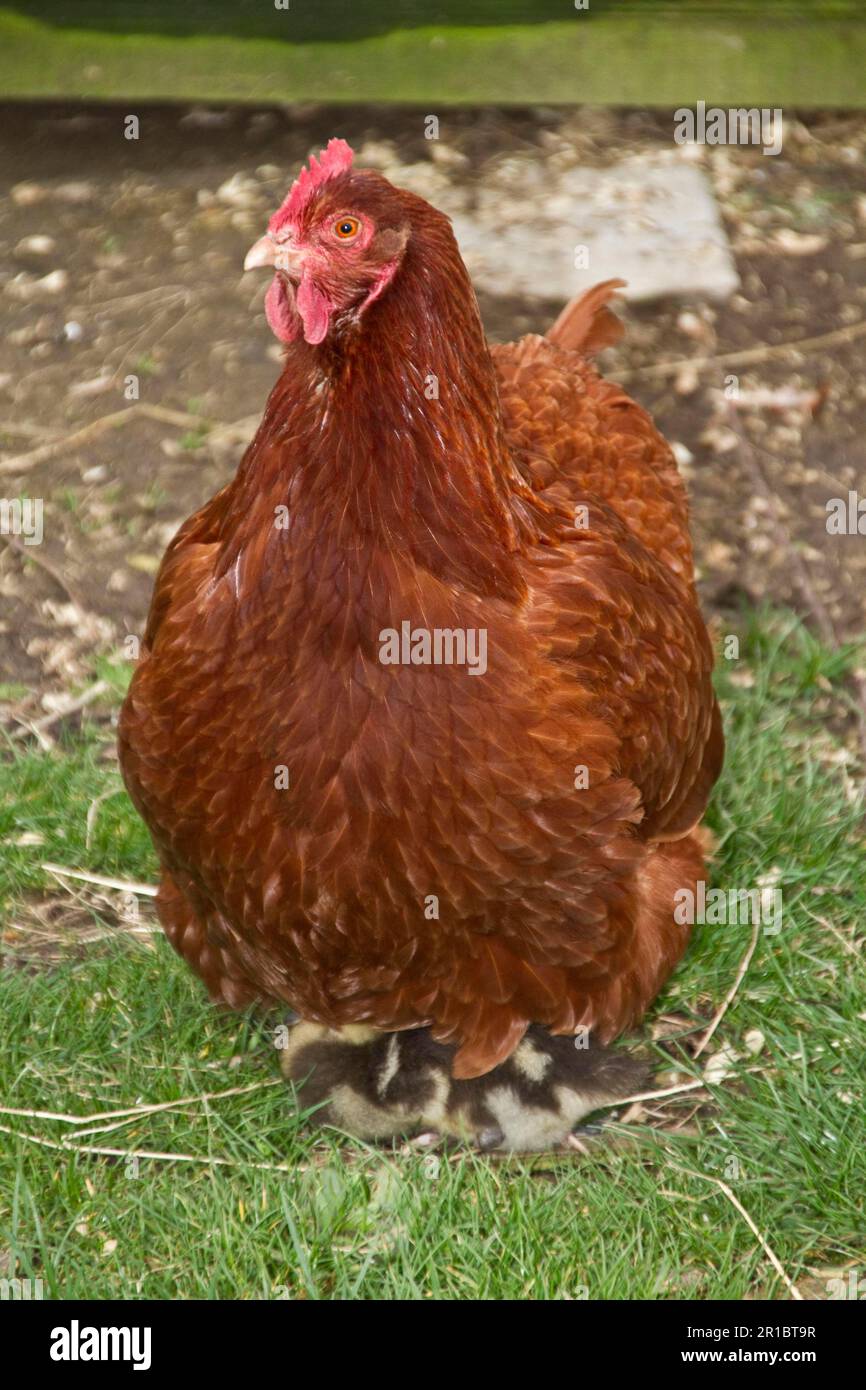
x=293, y=1213
x=611, y=54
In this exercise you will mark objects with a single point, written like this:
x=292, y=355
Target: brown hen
x=346, y=825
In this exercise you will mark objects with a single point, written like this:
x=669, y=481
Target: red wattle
x=280, y=311
x=314, y=309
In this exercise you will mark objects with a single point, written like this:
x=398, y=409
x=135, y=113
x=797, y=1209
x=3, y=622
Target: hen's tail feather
x=586, y=324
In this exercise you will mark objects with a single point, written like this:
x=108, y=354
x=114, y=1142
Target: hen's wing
x=187, y=563
x=617, y=602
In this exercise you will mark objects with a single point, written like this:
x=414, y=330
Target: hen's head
x=336, y=244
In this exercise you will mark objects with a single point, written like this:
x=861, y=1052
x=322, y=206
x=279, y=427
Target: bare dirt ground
x=122, y=258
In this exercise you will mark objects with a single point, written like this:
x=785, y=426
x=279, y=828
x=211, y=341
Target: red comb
x=335, y=159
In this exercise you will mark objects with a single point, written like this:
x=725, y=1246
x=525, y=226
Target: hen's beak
x=267, y=252
x=264, y=252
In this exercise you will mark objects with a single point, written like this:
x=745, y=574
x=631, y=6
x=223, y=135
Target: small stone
x=720, y=438
x=793, y=243
x=201, y=118
x=380, y=153
x=76, y=191
x=22, y=337
x=36, y=246
x=691, y=324
x=118, y=581
x=28, y=287
x=94, y=386
x=686, y=381
x=718, y=554
x=239, y=191
x=761, y=545
x=447, y=156
x=26, y=194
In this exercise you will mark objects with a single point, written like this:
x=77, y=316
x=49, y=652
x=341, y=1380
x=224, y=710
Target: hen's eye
x=346, y=228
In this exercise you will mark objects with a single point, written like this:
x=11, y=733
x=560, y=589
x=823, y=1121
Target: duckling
x=383, y=1085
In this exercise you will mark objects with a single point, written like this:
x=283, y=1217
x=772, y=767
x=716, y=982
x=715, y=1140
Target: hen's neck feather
x=355, y=447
